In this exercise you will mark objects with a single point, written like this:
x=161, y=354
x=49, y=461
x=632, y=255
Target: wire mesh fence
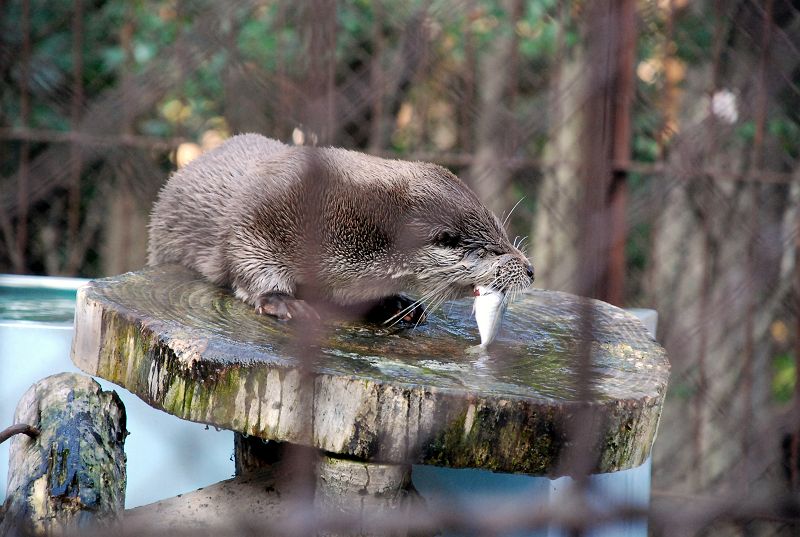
x=650, y=148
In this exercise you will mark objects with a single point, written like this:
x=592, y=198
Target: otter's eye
x=488, y=251
x=447, y=239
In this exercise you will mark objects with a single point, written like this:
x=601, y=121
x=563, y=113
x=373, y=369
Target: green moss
x=188, y=396
x=174, y=398
x=510, y=437
x=226, y=389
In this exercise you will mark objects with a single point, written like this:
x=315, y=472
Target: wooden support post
x=365, y=490
x=72, y=475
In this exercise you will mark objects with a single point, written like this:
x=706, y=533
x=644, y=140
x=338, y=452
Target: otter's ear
x=447, y=239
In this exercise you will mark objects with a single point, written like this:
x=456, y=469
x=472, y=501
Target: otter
x=288, y=228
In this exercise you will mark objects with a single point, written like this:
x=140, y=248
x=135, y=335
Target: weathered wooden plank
x=379, y=394
x=217, y=508
x=72, y=475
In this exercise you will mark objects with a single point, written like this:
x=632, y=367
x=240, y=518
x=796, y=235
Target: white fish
x=489, y=308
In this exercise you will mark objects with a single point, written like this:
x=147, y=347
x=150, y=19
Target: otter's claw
x=397, y=308
x=284, y=307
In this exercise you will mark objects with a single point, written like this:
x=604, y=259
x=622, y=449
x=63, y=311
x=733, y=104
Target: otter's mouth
x=480, y=290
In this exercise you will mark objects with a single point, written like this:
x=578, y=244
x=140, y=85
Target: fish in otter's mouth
x=489, y=309
x=494, y=276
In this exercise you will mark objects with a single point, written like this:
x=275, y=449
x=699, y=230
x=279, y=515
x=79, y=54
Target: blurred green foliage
x=258, y=43
x=784, y=377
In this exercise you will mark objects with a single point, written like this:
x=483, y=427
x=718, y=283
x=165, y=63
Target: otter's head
x=459, y=243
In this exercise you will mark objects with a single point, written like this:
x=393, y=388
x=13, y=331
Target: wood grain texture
x=374, y=393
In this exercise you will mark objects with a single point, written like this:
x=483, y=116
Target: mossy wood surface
x=380, y=394
x=72, y=476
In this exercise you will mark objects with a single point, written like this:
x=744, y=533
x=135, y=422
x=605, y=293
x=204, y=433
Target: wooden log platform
x=388, y=395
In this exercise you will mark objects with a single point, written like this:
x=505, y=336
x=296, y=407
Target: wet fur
x=261, y=217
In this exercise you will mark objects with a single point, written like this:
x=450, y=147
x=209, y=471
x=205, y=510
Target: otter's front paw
x=284, y=307
x=397, y=308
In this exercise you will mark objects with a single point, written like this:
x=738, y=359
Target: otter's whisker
x=512, y=210
x=424, y=314
x=507, y=299
x=493, y=282
x=397, y=317
x=434, y=303
x=513, y=296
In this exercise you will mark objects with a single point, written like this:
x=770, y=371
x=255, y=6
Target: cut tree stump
x=72, y=475
x=376, y=394
x=362, y=403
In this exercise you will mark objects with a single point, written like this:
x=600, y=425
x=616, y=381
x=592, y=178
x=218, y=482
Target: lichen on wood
x=72, y=475
x=375, y=393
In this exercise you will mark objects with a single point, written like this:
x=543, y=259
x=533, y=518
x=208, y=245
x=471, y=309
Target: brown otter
x=282, y=225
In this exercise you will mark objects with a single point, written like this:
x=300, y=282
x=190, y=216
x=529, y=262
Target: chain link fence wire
x=652, y=146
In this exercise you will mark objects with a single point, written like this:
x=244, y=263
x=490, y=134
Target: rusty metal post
x=286, y=105
x=611, y=53
x=377, y=79
x=623, y=93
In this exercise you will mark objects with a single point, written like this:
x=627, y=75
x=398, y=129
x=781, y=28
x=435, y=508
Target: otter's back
x=188, y=221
